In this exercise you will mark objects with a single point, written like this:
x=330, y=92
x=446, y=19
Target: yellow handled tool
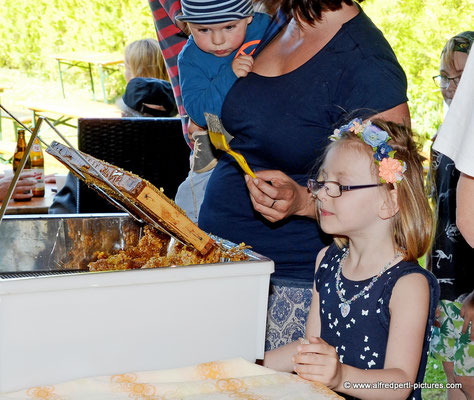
x=218, y=139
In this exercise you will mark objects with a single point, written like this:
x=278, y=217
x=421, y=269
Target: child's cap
x=142, y=91
x=215, y=11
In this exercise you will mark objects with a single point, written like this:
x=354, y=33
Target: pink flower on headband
x=391, y=170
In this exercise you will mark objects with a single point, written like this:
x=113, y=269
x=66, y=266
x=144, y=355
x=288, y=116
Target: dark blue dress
x=361, y=337
x=283, y=123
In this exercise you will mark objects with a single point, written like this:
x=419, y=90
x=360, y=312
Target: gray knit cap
x=215, y=11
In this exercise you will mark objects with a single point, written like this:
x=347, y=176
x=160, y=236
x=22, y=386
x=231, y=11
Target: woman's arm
x=399, y=114
x=281, y=358
x=276, y=196
x=409, y=307
x=465, y=207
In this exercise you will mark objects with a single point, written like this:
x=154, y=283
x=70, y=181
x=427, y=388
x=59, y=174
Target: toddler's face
x=459, y=62
x=220, y=39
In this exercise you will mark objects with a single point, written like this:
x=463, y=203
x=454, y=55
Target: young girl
x=143, y=58
x=373, y=305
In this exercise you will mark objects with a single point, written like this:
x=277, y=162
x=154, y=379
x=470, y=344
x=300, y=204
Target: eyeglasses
x=443, y=81
x=334, y=189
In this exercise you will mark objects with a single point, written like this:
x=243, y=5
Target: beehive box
x=57, y=325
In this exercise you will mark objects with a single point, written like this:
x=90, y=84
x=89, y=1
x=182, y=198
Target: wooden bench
x=66, y=112
x=106, y=64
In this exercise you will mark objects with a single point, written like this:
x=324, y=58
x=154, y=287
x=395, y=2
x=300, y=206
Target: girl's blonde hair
x=413, y=225
x=144, y=59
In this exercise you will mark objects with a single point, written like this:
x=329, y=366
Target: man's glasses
x=443, y=81
x=334, y=189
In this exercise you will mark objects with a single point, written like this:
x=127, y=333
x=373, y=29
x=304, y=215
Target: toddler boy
x=224, y=34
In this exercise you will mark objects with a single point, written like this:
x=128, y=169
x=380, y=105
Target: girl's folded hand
x=318, y=361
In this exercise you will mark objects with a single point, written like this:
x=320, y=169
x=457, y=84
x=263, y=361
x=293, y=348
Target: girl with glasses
x=373, y=305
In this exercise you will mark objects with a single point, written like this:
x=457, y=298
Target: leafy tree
x=31, y=32
x=418, y=31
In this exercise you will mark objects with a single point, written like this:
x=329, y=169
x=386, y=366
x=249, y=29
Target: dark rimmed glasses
x=443, y=81
x=334, y=189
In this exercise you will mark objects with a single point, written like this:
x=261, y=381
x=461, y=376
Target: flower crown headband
x=390, y=169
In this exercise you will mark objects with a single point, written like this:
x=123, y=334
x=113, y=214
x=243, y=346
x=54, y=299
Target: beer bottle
x=19, y=151
x=37, y=165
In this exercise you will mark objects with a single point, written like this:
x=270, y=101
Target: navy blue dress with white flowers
x=361, y=337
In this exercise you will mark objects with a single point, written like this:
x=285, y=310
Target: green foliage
x=418, y=31
x=434, y=374
x=32, y=32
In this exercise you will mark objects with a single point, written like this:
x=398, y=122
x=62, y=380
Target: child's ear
x=249, y=20
x=389, y=206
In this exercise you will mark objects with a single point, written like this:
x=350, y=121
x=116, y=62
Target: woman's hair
x=144, y=59
x=461, y=42
x=413, y=225
x=311, y=10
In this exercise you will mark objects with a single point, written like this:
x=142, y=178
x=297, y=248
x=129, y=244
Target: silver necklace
x=345, y=305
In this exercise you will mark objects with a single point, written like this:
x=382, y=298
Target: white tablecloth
x=231, y=379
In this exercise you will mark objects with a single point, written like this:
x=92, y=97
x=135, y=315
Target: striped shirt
x=171, y=40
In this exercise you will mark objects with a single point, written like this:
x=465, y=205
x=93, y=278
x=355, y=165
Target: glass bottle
x=37, y=165
x=18, y=155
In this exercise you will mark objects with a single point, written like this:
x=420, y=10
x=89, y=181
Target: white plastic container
x=62, y=327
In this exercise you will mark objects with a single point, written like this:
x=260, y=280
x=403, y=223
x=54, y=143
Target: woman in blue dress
x=327, y=60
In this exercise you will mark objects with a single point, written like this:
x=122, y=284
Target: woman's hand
x=467, y=312
x=276, y=196
x=318, y=361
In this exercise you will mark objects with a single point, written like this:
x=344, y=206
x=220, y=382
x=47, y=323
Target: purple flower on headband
x=374, y=136
x=382, y=151
x=355, y=126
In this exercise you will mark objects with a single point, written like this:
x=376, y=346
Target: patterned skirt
x=288, y=308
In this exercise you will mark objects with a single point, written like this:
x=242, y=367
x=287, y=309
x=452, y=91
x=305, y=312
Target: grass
x=434, y=374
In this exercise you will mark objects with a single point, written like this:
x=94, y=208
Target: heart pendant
x=345, y=308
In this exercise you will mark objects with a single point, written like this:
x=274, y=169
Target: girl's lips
x=325, y=213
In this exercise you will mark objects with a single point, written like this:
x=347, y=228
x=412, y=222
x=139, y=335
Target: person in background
x=326, y=60
x=26, y=183
x=148, y=97
x=373, y=305
x=148, y=91
x=451, y=255
x=143, y=58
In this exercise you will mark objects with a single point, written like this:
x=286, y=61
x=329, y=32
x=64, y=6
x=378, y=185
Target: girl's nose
x=322, y=194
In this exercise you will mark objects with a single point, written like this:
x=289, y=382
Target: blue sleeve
x=372, y=85
x=202, y=93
